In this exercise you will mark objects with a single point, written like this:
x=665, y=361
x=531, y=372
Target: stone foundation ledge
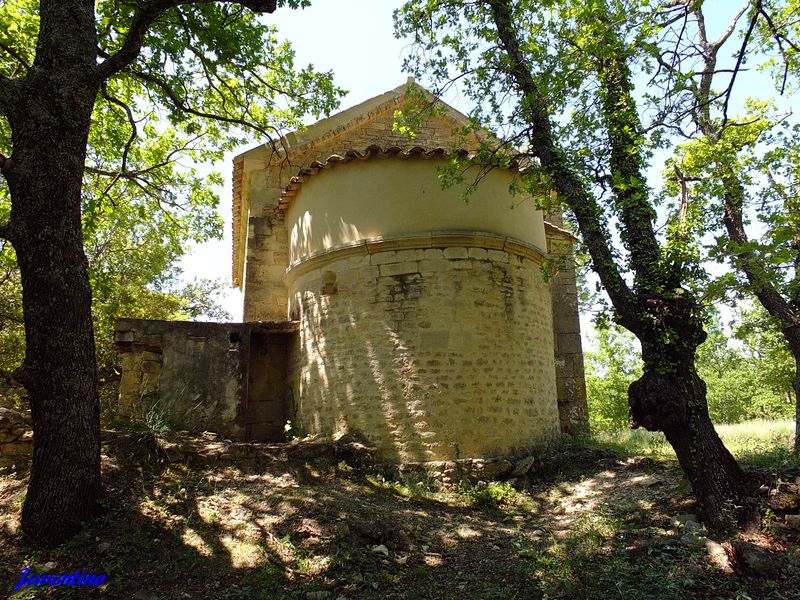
x=471, y=470
x=210, y=449
x=16, y=438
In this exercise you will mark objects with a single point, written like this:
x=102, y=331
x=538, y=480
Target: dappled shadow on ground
x=585, y=527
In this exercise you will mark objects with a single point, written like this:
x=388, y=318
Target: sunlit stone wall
x=434, y=352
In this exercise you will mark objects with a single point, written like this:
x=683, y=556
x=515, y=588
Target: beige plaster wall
x=390, y=197
x=433, y=354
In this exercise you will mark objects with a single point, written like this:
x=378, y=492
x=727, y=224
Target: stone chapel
x=377, y=302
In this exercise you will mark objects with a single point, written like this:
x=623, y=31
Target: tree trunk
x=50, y=128
x=675, y=403
x=671, y=397
x=794, y=345
x=796, y=386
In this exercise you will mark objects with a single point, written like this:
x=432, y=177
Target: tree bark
x=792, y=336
x=50, y=123
x=716, y=479
x=796, y=387
x=673, y=400
x=49, y=111
x=59, y=371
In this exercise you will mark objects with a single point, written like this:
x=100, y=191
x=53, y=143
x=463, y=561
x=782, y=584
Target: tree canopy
x=212, y=75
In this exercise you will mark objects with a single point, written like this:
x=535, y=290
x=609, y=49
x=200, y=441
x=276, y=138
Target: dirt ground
x=585, y=524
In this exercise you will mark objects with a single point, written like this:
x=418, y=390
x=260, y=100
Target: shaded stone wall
x=198, y=375
x=266, y=297
x=435, y=353
x=570, y=377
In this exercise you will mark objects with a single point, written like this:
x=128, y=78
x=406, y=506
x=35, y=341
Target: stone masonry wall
x=570, y=377
x=193, y=374
x=433, y=354
x=228, y=378
x=266, y=297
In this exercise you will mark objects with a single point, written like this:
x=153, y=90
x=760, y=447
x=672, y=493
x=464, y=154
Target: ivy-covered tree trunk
x=50, y=123
x=785, y=310
x=796, y=386
x=670, y=396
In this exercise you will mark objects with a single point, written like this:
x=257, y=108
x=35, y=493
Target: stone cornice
x=417, y=241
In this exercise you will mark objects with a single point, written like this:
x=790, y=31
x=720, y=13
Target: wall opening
x=267, y=390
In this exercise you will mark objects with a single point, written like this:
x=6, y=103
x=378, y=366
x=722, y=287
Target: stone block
x=124, y=336
x=402, y=268
x=409, y=255
x=12, y=419
x=433, y=253
x=497, y=256
x=455, y=252
x=382, y=258
x=565, y=367
x=435, y=264
x=16, y=448
x=357, y=261
x=7, y=435
x=569, y=343
x=154, y=339
x=151, y=367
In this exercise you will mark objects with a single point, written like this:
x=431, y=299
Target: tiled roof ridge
x=303, y=143
x=369, y=110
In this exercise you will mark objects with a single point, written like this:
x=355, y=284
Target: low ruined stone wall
x=433, y=353
x=190, y=374
x=16, y=438
x=229, y=378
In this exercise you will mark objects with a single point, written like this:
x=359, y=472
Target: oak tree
x=732, y=165
x=118, y=90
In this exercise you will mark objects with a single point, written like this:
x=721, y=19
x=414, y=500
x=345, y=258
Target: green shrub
x=492, y=494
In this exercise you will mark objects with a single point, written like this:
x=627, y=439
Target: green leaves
x=747, y=378
x=19, y=25
x=610, y=369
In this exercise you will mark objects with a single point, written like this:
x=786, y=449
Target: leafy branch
x=143, y=21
